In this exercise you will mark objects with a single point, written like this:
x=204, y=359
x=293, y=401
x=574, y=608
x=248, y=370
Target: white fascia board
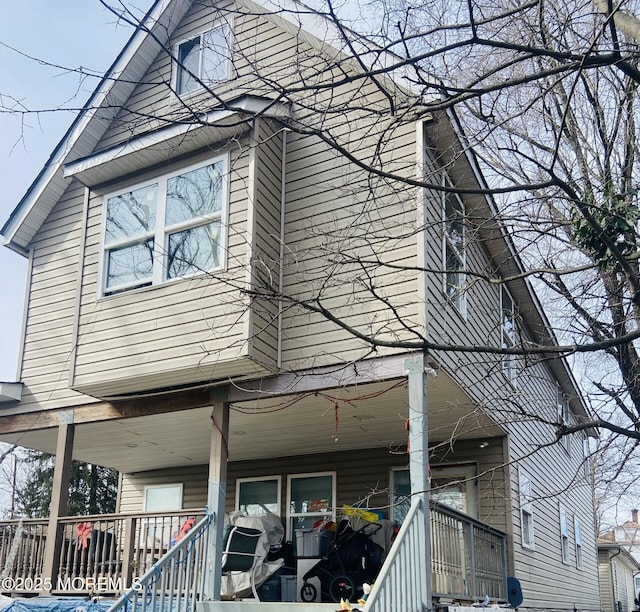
x=10, y=392
x=245, y=107
x=153, y=22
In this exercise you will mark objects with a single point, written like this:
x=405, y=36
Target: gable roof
x=150, y=37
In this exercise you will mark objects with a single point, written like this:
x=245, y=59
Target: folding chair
x=239, y=552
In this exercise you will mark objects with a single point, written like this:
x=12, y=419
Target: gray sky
x=69, y=34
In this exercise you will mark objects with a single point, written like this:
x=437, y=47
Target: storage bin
x=269, y=590
x=288, y=588
x=313, y=542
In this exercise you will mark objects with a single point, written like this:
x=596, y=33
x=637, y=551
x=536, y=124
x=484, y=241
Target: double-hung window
x=204, y=60
x=509, y=333
x=454, y=249
x=526, y=509
x=564, y=416
x=311, y=499
x=578, y=535
x=167, y=228
x=564, y=535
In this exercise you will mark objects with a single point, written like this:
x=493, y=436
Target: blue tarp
x=58, y=604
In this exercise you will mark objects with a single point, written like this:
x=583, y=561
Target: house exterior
x=627, y=535
x=618, y=570
x=243, y=275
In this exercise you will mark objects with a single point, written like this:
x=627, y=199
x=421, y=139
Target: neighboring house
x=211, y=245
x=627, y=535
x=618, y=571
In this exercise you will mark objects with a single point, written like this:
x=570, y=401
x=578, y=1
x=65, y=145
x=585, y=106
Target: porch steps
x=250, y=605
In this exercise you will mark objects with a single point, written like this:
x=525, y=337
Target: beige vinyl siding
x=606, y=584
x=182, y=331
x=262, y=53
x=616, y=581
x=557, y=477
x=332, y=216
x=362, y=477
x=266, y=240
x=47, y=350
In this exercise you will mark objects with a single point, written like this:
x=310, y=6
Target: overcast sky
x=69, y=34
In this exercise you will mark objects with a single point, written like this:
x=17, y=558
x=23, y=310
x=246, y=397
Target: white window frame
x=159, y=531
x=161, y=232
x=392, y=490
x=586, y=455
x=455, y=294
x=178, y=70
x=277, y=478
x=577, y=532
x=564, y=534
x=564, y=416
x=330, y=514
x=176, y=486
x=525, y=489
x=508, y=338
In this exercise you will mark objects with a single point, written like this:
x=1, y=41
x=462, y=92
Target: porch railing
x=401, y=586
x=176, y=582
x=468, y=561
x=99, y=553
x=469, y=558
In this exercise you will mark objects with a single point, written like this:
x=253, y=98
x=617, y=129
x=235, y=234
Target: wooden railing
x=98, y=554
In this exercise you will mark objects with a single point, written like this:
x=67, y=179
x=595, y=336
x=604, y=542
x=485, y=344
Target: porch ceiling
x=367, y=416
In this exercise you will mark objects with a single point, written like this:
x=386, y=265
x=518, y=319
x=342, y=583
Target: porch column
x=59, y=499
x=415, y=367
x=217, y=496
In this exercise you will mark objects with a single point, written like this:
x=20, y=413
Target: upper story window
x=564, y=416
x=526, y=509
x=204, y=59
x=166, y=228
x=454, y=249
x=564, y=535
x=578, y=536
x=509, y=332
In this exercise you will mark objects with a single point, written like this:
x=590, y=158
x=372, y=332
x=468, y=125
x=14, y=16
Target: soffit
x=367, y=416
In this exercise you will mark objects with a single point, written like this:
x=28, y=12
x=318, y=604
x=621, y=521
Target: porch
x=108, y=554
x=312, y=441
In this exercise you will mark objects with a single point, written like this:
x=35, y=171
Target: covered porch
x=346, y=432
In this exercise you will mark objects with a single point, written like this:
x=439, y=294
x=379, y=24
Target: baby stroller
x=352, y=560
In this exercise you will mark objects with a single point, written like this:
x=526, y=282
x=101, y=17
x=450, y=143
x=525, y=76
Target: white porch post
x=217, y=496
x=415, y=367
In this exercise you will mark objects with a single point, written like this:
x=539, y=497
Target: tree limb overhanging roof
x=114, y=89
x=120, y=80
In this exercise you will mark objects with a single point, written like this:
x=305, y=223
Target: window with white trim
x=509, y=332
x=454, y=249
x=310, y=499
x=564, y=534
x=586, y=456
x=255, y=496
x=166, y=228
x=578, y=536
x=203, y=60
x=564, y=416
x=526, y=510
